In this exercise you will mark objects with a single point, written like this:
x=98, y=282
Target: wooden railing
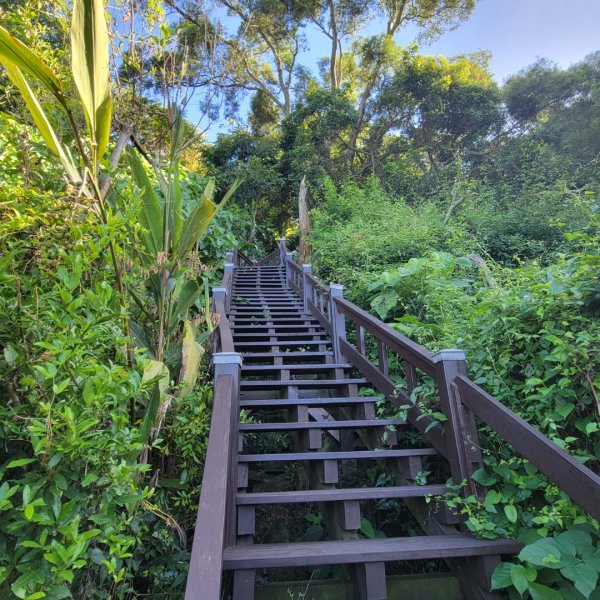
x=216, y=520
x=458, y=398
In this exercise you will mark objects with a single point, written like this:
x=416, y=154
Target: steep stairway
x=293, y=385
x=325, y=415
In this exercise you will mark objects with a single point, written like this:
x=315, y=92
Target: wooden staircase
x=284, y=362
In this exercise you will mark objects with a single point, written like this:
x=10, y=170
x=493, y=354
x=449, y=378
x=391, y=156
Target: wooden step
x=339, y=495
x=341, y=455
x=288, y=367
x=288, y=402
x=266, y=334
x=327, y=424
x=320, y=383
x=307, y=354
x=298, y=343
x=304, y=554
x=260, y=326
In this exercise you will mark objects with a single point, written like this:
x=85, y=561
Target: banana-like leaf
x=151, y=216
x=14, y=52
x=191, y=355
x=91, y=68
x=177, y=199
x=184, y=298
x=156, y=368
x=195, y=226
x=201, y=217
x=176, y=131
x=151, y=413
x=42, y=123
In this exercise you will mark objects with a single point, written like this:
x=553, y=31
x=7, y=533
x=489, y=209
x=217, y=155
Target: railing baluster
x=360, y=338
x=382, y=357
x=306, y=286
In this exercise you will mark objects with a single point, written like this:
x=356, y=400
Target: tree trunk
x=303, y=223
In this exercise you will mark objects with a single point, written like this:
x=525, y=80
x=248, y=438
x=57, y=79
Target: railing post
x=229, y=256
x=338, y=321
x=230, y=363
x=289, y=257
x=220, y=293
x=306, y=287
x=282, y=251
x=229, y=268
x=461, y=433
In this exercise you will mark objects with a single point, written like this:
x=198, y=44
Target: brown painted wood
x=288, y=402
x=312, y=383
x=206, y=562
x=335, y=495
x=329, y=424
x=342, y=455
x=305, y=554
x=571, y=476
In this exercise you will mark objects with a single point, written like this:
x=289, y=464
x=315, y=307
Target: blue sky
x=516, y=32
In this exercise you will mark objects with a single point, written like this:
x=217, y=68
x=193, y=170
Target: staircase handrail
x=216, y=519
x=461, y=400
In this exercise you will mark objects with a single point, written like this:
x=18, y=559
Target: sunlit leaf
x=14, y=52
x=91, y=68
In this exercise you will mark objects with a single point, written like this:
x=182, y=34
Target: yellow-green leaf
x=42, y=123
x=151, y=216
x=191, y=355
x=14, y=52
x=91, y=68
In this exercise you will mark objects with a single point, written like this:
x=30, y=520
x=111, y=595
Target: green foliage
x=359, y=231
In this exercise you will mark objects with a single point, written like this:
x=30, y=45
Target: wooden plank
x=303, y=554
x=295, y=367
x=288, y=402
x=298, y=343
x=261, y=334
x=337, y=495
x=206, y=562
x=346, y=455
x=571, y=476
x=319, y=383
x=327, y=424
x=252, y=355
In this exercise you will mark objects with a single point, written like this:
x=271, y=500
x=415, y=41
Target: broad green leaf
x=543, y=592
x=150, y=415
x=151, y=217
x=542, y=553
x=501, y=576
x=14, y=52
x=191, y=355
x=583, y=576
x=522, y=576
x=91, y=68
x=43, y=124
x=20, y=462
x=511, y=512
x=367, y=528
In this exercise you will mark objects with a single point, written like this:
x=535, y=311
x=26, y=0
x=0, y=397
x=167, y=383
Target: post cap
x=307, y=268
x=218, y=290
x=288, y=254
x=227, y=358
x=336, y=286
x=450, y=354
